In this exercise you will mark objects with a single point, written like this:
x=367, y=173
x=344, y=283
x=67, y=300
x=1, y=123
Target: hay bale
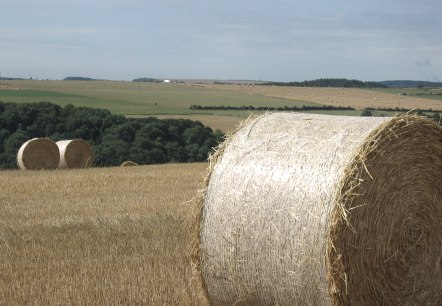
x=324, y=210
x=38, y=154
x=75, y=153
x=128, y=163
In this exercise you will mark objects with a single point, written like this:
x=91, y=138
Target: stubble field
x=99, y=236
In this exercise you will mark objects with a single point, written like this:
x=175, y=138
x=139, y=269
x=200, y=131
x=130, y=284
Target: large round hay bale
x=324, y=210
x=75, y=153
x=38, y=154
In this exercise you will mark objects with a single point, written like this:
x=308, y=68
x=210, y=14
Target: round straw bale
x=324, y=210
x=128, y=163
x=75, y=153
x=38, y=154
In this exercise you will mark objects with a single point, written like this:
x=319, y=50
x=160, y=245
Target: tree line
x=434, y=115
x=329, y=83
x=113, y=138
x=270, y=108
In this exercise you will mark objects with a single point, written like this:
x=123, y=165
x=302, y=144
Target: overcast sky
x=280, y=40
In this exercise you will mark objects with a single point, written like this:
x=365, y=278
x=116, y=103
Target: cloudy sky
x=280, y=40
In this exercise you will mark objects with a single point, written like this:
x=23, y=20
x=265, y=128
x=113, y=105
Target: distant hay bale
x=128, y=163
x=324, y=210
x=38, y=154
x=75, y=153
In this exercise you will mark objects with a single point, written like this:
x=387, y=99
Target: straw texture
x=324, y=210
x=75, y=153
x=38, y=154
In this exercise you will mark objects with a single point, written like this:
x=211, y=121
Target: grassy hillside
x=133, y=98
x=158, y=99
x=99, y=236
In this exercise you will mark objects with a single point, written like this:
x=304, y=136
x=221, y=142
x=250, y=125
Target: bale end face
x=38, y=154
x=75, y=153
x=385, y=244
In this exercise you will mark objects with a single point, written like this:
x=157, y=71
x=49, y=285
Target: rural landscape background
x=123, y=234
x=152, y=122
x=162, y=84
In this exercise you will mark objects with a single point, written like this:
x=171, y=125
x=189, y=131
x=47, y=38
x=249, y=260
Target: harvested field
x=357, y=98
x=224, y=123
x=98, y=236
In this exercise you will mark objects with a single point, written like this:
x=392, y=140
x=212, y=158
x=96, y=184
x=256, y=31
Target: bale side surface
x=266, y=211
x=38, y=154
x=273, y=209
x=75, y=153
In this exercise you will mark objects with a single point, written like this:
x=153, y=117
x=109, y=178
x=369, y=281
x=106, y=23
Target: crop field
x=133, y=98
x=99, y=236
x=357, y=98
x=174, y=100
x=223, y=123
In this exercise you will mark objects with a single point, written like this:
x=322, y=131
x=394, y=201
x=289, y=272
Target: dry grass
x=98, y=236
x=357, y=98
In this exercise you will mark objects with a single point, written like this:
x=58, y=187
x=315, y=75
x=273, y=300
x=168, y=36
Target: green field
x=133, y=98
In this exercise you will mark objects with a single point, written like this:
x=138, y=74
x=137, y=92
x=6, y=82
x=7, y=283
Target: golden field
x=223, y=123
x=353, y=97
x=98, y=236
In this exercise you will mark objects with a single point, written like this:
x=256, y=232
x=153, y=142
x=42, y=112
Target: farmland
x=174, y=100
x=122, y=235
x=132, y=98
x=224, y=123
x=98, y=236
x=357, y=98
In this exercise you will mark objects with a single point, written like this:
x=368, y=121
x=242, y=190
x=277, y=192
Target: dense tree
x=111, y=151
x=330, y=83
x=11, y=146
x=114, y=138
